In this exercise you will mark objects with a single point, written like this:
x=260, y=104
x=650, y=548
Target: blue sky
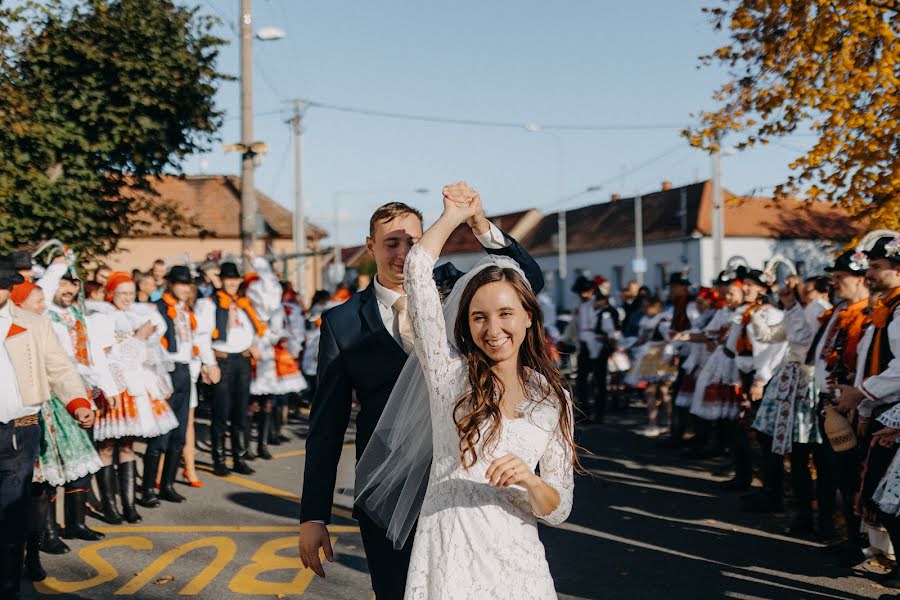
x=568, y=62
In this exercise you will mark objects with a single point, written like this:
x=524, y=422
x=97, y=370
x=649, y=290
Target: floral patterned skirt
x=67, y=452
x=787, y=412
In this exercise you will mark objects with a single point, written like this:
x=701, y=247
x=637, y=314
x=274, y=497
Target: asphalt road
x=646, y=524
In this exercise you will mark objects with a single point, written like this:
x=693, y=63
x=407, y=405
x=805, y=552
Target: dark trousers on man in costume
x=387, y=566
x=18, y=450
x=595, y=371
x=229, y=406
x=180, y=402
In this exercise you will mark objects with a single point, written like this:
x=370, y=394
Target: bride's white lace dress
x=474, y=540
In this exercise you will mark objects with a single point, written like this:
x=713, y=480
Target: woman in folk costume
x=653, y=368
x=716, y=393
x=276, y=371
x=142, y=411
x=67, y=457
x=787, y=422
x=695, y=357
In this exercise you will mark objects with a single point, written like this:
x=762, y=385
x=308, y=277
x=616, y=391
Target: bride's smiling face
x=498, y=322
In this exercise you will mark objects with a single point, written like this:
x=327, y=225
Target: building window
x=619, y=277
x=662, y=274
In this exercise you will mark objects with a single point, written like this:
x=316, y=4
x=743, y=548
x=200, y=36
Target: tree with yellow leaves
x=827, y=66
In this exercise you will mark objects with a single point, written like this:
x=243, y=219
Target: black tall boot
x=239, y=453
x=170, y=468
x=148, y=497
x=51, y=543
x=126, y=491
x=247, y=438
x=106, y=482
x=11, y=571
x=75, y=509
x=264, y=430
x=37, y=518
x=218, y=455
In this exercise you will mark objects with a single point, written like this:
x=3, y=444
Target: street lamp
x=562, y=241
x=718, y=207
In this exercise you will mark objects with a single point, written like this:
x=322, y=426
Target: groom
x=364, y=345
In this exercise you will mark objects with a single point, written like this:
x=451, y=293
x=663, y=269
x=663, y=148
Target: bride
x=498, y=412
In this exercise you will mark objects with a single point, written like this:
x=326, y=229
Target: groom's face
x=389, y=244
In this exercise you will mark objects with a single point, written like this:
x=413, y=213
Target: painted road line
x=292, y=453
x=217, y=529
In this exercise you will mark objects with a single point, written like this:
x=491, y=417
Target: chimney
x=615, y=197
x=666, y=186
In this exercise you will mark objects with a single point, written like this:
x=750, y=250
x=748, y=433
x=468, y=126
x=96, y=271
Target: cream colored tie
x=404, y=325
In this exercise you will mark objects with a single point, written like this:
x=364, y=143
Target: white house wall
x=811, y=256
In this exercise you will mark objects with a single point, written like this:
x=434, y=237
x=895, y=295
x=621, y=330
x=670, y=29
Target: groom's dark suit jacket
x=357, y=354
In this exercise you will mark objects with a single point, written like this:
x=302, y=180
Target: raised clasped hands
x=462, y=203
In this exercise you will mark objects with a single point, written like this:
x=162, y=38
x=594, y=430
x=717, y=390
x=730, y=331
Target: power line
x=485, y=123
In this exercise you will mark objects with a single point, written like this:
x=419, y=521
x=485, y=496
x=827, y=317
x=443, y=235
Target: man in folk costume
x=877, y=381
x=33, y=366
x=756, y=361
x=228, y=328
x=589, y=347
x=87, y=340
x=181, y=344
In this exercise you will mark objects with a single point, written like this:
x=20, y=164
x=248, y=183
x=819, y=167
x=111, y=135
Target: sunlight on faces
x=752, y=291
x=35, y=302
x=231, y=285
x=498, y=323
x=389, y=244
x=182, y=291
x=66, y=293
x=846, y=285
x=734, y=296
x=124, y=295
x=883, y=275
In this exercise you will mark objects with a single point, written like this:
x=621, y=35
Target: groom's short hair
x=389, y=212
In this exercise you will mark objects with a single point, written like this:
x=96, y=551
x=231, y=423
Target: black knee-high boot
x=126, y=491
x=106, y=482
x=263, y=428
x=149, y=498
x=40, y=504
x=170, y=469
x=51, y=543
x=75, y=509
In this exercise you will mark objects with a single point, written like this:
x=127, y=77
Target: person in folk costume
x=189, y=452
x=716, y=396
x=876, y=390
x=589, y=347
x=87, y=340
x=833, y=356
x=276, y=373
x=179, y=341
x=33, y=368
x=229, y=330
x=23, y=264
x=787, y=413
x=295, y=323
x=684, y=313
x=143, y=411
x=66, y=455
x=652, y=369
x=691, y=346
x=607, y=330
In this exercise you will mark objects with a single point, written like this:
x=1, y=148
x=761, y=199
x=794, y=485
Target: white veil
x=392, y=473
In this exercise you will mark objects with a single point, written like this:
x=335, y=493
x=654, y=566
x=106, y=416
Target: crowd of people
x=799, y=374
x=125, y=358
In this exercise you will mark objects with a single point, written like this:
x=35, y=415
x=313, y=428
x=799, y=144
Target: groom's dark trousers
x=357, y=355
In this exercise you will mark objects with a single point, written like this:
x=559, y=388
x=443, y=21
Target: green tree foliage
x=832, y=66
x=97, y=97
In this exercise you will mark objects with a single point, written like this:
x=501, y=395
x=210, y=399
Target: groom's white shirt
x=493, y=239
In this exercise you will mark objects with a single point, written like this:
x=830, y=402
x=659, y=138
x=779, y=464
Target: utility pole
x=639, y=266
x=248, y=190
x=299, y=218
x=718, y=221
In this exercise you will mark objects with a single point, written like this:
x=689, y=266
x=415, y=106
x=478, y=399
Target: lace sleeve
x=557, y=472
x=433, y=349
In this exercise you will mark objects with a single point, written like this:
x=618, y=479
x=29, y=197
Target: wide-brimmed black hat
x=21, y=260
x=229, y=270
x=583, y=284
x=179, y=274
x=760, y=277
x=886, y=247
x=447, y=275
x=9, y=275
x=854, y=262
x=679, y=278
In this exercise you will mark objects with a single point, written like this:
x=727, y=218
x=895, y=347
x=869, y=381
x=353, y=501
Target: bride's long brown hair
x=482, y=403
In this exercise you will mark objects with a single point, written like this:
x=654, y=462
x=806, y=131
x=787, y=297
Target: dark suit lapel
x=372, y=317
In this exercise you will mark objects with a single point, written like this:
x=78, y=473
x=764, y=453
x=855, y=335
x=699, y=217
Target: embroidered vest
x=223, y=302
x=880, y=354
x=77, y=335
x=168, y=308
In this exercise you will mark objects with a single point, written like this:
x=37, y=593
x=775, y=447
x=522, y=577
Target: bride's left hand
x=510, y=470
